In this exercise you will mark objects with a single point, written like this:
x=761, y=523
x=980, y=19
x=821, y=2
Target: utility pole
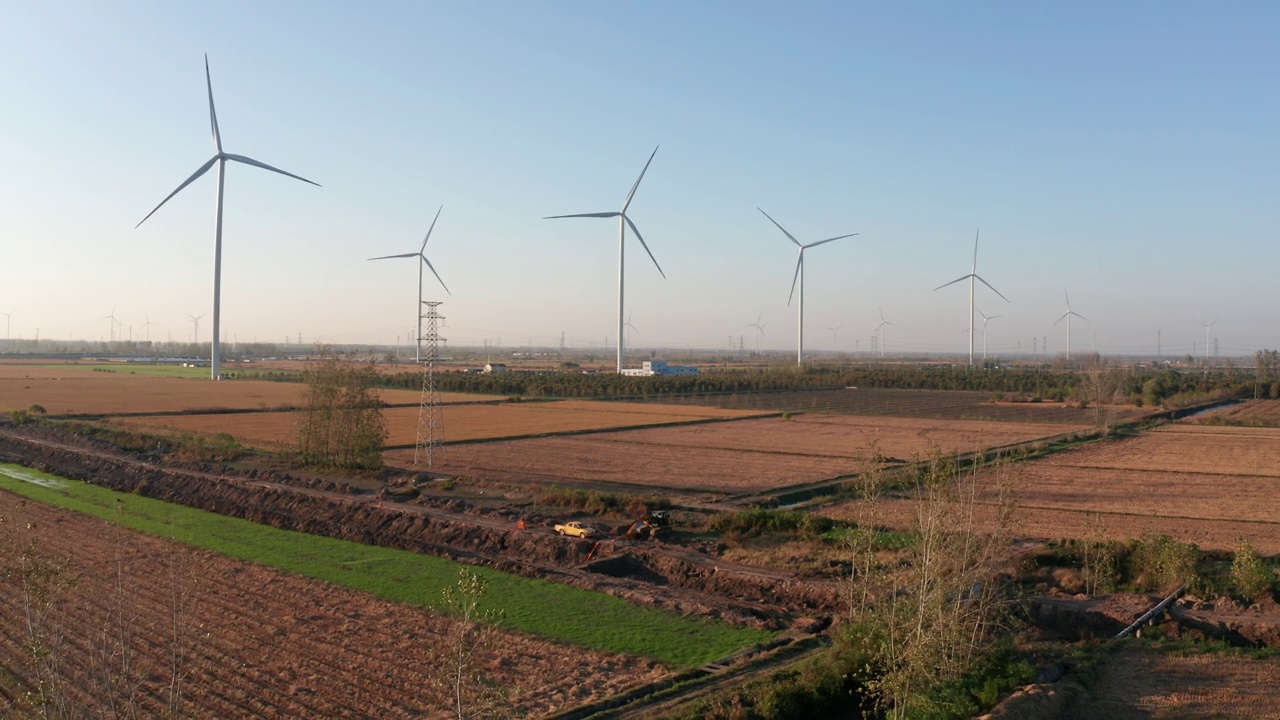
x=430, y=420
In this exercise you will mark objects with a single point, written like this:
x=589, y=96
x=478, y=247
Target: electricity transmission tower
x=430, y=420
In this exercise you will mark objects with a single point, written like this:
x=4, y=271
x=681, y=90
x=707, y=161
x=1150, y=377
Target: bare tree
x=927, y=615
x=472, y=638
x=342, y=424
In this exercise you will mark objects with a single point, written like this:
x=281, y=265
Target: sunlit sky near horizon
x=1124, y=152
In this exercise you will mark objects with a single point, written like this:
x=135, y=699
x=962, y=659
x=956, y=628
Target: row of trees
x=342, y=424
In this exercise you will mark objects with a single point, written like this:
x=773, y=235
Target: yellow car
x=576, y=529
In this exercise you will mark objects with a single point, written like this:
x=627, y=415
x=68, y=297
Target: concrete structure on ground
x=660, y=367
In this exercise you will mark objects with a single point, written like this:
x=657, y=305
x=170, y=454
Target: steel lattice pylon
x=430, y=420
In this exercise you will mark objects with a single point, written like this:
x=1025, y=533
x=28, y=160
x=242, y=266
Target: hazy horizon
x=1123, y=153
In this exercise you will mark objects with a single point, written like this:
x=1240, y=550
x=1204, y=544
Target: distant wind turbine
x=971, y=277
x=421, y=254
x=880, y=329
x=1206, y=337
x=1067, y=316
x=623, y=223
x=195, y=333
x=147, y=327
x=835, y=337
x=798, y=278
x=985, y=320
x=759, y=326
x=221, y=159
x=111, y=335
x=629, y=328
x=8, y=317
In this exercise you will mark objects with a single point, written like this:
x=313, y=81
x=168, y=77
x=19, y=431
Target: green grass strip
x=538, y=607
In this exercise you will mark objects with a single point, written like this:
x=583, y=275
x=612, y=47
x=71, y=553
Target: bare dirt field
x=1148, y=682
x=1208, y=485
x=73, y=391
x=461, y=422
x=1258, y=413
x=743, y=455
x=260, y=643
x=890, y=402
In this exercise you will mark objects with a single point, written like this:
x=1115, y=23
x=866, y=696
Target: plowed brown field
x=1261, y=413
x=261, y=643
x=743, y=455
x=69, y=391
x=1208, y=485
x=461, y=422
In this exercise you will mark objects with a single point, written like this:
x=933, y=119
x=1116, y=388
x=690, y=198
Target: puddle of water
x=29, y=476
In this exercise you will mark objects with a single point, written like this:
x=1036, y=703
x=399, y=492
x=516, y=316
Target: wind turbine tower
x=759, y=328
x=985, y=320
x=623, y=222
x=880, y=329
x=417, y=306
x=971, y=277
x=195, y=331
x=220, y=158
x=1067, y=316
x=1206, y=327
x=799, y=279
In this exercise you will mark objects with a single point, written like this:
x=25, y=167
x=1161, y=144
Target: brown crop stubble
x=461, y=422
x=741, y=455
x=1207, y=485
x=274, y=645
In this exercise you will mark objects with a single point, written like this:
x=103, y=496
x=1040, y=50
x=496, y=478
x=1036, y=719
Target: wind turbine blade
x=823, y=242
x=264, y=166
x=644, y=245
x=984, y=282
x=1064, y=315
x=592, y=215
x=975, y=251
x=433, y=272
x=387, y=257
x=796, y=277
x=1066, y=297
x=784, y=230
x=632, y=194
x=213, y=115
x=953, y=282
x=203, y=169
x=1081, y=317
x=993, y=317
x=433, y=227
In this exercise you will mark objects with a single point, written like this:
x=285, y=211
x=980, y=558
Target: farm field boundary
x=534, y=606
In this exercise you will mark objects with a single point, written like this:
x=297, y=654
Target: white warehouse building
x=660, y=367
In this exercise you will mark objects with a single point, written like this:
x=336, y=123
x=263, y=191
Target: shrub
x=1250, y=576
x=1162, y=564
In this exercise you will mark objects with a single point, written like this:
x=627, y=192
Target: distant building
x=494, y=368
x=660, y=367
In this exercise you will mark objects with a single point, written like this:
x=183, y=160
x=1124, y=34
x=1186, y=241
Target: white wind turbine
x=759, y=326
x=1206, y=337
x=111, y=336
x=421, y=254
x=629, y=328
x=985, y=320
x=195, y=333
x=1067, y=316
x=7, y=318
x=221, y=159
x=835, y=337
x=880, y=329
x=623, y=223
x=971, y=277
x=146, y=326
x=799, y=278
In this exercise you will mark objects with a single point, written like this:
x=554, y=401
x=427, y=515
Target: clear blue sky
x=1127, y=152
